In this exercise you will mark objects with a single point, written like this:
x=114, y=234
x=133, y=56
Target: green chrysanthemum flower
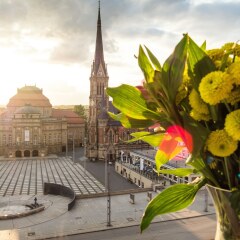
x=232, y=124
x=234, y=73
x=214, y=87
x=197, y=103
x=220, y=144
x=199, y=116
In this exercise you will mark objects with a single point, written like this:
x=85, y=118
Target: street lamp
x=206, y=199
x=85, y=154
x=107, y=189
x=67, y=144
x=73, y=150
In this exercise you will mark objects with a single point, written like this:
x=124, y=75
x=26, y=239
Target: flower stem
x=227, y=106
x=227, y=172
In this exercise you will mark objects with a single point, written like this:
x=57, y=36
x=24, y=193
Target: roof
x=112, y=109
x=28, y=109
x=69, y=114
x=29, y=95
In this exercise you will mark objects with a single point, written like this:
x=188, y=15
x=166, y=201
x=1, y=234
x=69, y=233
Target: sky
x=51, y=43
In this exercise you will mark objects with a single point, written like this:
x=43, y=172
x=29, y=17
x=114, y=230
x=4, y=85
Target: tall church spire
x=99, y=57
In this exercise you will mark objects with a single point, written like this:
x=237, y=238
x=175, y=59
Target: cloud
x=63, y=32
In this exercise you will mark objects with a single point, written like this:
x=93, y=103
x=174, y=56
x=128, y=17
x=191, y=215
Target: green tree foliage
x=80, y=111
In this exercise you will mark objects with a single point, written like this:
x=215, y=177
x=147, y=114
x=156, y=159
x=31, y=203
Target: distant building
x=105, y=136
x=31, y=127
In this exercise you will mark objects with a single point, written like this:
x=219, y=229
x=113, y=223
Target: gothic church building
x=105, y=136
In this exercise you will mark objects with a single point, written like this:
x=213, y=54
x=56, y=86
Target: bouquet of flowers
x=195, y=97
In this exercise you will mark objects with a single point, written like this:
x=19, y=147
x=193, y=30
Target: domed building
x=30, y=127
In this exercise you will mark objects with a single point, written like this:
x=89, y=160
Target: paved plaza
x=88, y=215
x=26, y=177
x=22, y=179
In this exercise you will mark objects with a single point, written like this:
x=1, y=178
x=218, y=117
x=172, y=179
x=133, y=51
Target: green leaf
x=140, y=134
x=152, y=139
x=160, y=159
x=198, y=132
x=197, y=163
x=145, y=65
x=128, y=122
x=180, y=172
x=154, y=60
x=173, y=68
x=199, y=63
x=204, y=46
x=172, y=199
x=130, y=102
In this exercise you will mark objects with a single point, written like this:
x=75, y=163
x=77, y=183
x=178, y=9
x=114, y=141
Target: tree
x=80, y=111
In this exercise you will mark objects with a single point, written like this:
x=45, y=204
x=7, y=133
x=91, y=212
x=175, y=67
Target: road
x=198, y=228
x=97, y=169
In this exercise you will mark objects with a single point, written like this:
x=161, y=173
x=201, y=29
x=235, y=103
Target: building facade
x=30, y=127
x=105, y=137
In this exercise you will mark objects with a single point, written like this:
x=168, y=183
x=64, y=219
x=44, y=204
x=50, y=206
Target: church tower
x=105, y=136
x=98, y=100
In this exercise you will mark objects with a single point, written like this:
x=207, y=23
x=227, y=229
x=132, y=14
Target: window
x=35, y=141
x=50, y=138
x=10, y=139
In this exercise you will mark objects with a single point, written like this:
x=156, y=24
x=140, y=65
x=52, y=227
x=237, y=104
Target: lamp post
x=85, y=154
x=107, y=188
x=67, y=144
x=73, y=150
x=206, y=199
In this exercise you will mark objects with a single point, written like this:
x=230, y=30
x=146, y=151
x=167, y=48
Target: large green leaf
x=154, y=60
x=199, y=63
x=145, y=65
x=130, y=102
x=150, y=138
x=173, y=68
x=172, y=199
x=180, y=172
x=128, y=122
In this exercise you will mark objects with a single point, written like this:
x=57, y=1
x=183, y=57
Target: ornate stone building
x=105, y=136
x=31, y=127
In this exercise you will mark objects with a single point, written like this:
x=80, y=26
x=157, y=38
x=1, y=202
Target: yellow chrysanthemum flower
x=234, y=73
x=197, y=103
x=231, y=47
x=220, y=144
x=234, y=96
x=199, y=116
x=215, y=54
x=232, y=124
x=214, y=87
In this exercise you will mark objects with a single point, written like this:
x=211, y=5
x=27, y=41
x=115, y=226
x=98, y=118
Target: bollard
x=132, y=198
x=149, y=196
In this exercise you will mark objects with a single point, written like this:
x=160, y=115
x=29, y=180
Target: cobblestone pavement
x=26, y=177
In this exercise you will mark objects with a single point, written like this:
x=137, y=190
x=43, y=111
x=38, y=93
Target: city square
x=27, y=176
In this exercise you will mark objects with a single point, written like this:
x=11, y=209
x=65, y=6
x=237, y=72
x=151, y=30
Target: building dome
x=29, y=95
x=27, y=109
